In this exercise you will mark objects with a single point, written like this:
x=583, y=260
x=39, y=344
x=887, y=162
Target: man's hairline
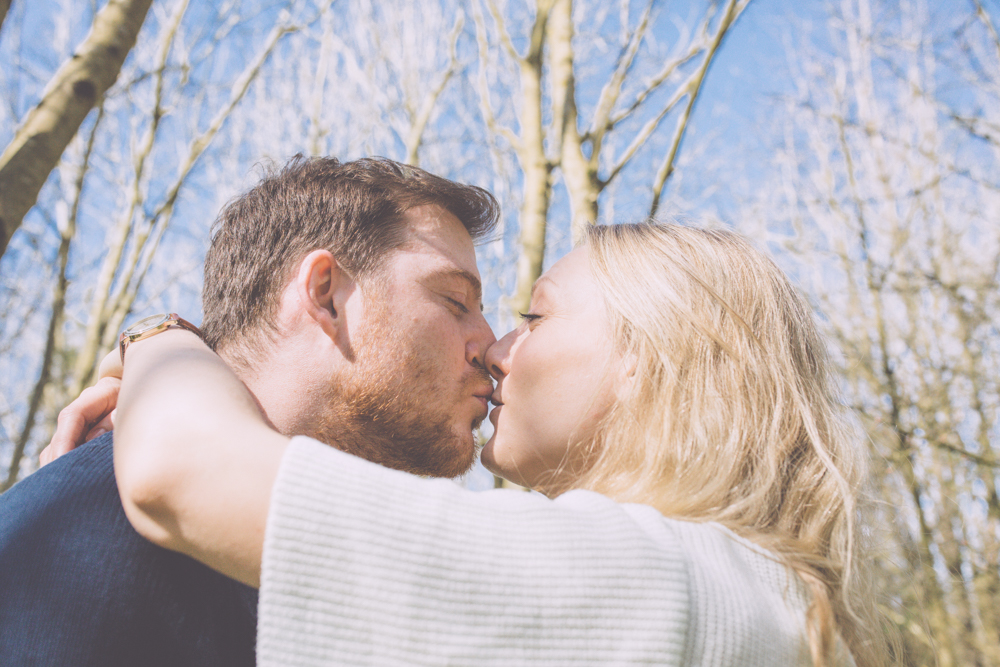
x=376, y=276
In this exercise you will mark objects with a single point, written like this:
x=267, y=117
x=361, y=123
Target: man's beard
x=391, y=409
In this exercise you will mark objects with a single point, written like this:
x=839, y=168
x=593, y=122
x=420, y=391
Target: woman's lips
x=495, y=414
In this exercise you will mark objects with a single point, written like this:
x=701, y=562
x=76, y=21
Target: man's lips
x=484, y=395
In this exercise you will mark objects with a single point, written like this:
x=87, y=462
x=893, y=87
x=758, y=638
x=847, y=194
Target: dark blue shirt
x=78, y=585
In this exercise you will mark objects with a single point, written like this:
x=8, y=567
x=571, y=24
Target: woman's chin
x=486, y=456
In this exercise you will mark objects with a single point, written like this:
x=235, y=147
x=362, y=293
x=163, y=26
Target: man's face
x=418, y=387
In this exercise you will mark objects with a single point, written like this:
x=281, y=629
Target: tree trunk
x=66, y=233
x=986, y=581
x=960, y=624
x=74, y=90
x=535, y=166
x=934, y=607
x=35, y=402
x=4, y=6
x=579, y=172
x=112, y=304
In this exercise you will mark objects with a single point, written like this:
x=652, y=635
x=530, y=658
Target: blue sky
x=726, y=155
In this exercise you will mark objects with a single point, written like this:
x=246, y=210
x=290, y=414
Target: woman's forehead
x=570, y=283
x=572, y=269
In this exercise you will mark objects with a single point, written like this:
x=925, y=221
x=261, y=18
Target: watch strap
x=150, y=326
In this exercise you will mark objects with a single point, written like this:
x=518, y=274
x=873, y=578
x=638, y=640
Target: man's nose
x=498, y=356
x=479, y=342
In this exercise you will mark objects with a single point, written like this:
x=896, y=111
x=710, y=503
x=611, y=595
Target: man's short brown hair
x=353, y=209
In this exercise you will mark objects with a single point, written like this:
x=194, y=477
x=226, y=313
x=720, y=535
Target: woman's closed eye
x=530, y=317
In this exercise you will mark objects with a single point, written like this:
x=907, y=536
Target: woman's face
x=551, y=376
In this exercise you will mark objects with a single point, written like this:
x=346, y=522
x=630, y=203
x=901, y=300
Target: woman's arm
x=194, y=459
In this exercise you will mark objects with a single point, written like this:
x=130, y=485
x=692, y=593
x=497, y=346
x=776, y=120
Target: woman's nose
x=479, y=342
x=498, y=356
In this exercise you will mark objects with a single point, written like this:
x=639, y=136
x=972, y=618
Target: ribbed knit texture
x=80, y=588
x=369, y=566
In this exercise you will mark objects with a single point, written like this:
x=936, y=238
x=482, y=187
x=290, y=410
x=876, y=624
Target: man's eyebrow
x=462, y=274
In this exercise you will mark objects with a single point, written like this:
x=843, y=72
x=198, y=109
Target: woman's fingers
x=111, y=365
x=106, y=425
x=85, y=418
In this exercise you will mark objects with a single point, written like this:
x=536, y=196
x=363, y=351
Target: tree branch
x=48, y=128
x=613, y=88
x=67, y=232
x=648, y=128
x=668, y=69
x=99, y=311
x=319, y=83
x=973, y=127
x=492, y=124
x=505, y=40
x=988, y=22
x=416, y=134
x=694, y=87
x=989, y=462
x=161, y=217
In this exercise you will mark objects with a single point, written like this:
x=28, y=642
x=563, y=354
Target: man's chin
x=463, y=456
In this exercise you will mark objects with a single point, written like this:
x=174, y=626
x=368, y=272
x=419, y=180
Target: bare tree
x=48, y=128
x=889, y=187
x=552, y=137
x=481, y=92
x=67, y=230
x=138, y=230
x=138, y=167
x=369, y=81
x=549, y=79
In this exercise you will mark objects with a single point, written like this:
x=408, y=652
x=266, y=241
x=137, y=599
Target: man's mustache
x=478, y=377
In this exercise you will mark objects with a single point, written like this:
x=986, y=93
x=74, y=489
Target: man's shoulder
x=58, y=497
x=80, y=586
x=65, y=523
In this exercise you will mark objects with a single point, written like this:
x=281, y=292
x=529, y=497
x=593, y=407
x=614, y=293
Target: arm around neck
x=194, y=458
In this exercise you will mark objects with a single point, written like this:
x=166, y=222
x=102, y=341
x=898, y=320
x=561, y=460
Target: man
x=347, y=298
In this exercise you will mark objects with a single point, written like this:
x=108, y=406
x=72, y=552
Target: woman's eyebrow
x=541, y=280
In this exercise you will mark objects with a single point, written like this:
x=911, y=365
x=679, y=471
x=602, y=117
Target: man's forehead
x=437, y=234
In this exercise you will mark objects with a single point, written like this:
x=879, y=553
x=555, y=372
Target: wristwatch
x=150, y=326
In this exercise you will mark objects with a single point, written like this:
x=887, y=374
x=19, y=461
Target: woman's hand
x=194, y=458
x=90, y=415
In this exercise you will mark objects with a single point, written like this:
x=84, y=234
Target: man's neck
x=272, y=390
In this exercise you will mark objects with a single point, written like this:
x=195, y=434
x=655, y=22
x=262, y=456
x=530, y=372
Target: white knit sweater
x=369, y=566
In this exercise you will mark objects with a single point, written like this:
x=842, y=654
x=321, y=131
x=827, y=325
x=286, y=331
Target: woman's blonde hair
x=732, y=414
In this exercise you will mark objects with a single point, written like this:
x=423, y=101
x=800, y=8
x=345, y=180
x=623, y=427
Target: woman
x=667, y=391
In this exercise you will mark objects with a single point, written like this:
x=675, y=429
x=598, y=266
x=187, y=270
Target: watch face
x=146, y=323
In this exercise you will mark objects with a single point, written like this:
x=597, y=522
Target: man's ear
x=323, y=287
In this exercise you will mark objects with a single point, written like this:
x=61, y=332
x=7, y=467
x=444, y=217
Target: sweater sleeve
x=368, y=566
